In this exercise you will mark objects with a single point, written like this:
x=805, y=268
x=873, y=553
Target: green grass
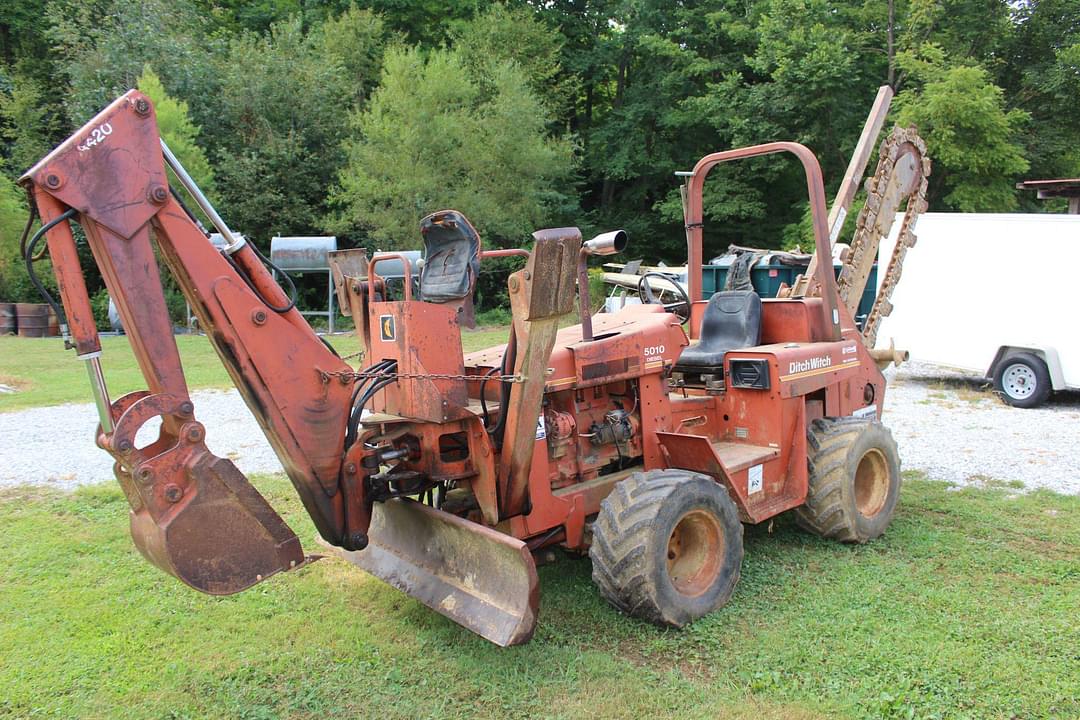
x=44, y=373
x=965, y=609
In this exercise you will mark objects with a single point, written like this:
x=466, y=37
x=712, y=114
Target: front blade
x=478, y=577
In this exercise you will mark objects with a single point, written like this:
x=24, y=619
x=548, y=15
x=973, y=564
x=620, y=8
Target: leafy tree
x=28, y=124
x=424, y=22
x=104, y=46
x=281, y=113
x=502, y=33
x=971, y=137
x=12, y=219
x=433, y=137
x=356, y=39
x=177, y=130
x=1041, y=75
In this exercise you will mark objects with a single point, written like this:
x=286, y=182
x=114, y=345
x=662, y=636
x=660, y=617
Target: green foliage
x=13, y=215
x=433, y=137
x=103, y=47
x=356, y=40
x=99, y=304
x=503, y=33
x=177, y=130
x=971, y=137
x=631, y=90
x=282, y=115
x=27, y=123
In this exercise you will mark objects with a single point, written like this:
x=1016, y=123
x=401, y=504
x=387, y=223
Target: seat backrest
x=451, y=257
x=732, y=321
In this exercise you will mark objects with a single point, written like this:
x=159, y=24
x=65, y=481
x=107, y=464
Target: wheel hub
x=1019, y=382
x=694, y=553
x=871, y=483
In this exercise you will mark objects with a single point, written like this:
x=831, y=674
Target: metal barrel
x=8, y=325
x=302, y=253
x=394, y=269
x=32, y=319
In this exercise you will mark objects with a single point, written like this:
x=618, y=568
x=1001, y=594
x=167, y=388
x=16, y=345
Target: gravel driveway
x=947, y=424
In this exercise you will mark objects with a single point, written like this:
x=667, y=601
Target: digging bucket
x=479, y=578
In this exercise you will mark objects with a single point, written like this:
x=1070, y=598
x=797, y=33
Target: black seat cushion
x=451, y=257
x=732, y=321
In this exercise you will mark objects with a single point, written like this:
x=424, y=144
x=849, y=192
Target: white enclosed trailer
x=996, y=294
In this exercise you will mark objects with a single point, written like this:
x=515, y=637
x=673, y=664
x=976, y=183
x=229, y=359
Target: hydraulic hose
x=28, y=256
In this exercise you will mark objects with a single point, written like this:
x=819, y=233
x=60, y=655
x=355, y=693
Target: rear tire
x=854, y=480
x=1022, y=380
x=667, y=546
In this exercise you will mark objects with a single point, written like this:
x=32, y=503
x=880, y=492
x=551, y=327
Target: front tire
x=1022, y=380
x=667, y=546
x=854, y=481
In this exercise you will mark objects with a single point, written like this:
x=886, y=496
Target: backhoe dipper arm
x=193, y=514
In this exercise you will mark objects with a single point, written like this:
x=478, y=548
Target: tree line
x=358, y=118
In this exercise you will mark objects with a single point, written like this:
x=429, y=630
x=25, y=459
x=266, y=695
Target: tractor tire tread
x=828, y=511
x=622, y=535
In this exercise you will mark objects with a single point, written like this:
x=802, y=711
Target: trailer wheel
x=667, y=546
x=854, y=480
x=1022, y=380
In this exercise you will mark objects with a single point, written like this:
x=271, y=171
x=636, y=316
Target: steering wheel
x=680, y=308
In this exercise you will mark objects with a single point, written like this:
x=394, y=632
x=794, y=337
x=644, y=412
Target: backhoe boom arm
x=193, y=514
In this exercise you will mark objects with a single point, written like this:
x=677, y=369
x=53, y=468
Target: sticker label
x=387, y=331
x=541, y=431
x=870, y=411
x=755, y=482
x=834, y=231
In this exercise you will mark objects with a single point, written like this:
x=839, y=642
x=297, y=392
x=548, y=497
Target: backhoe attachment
x=194, y=515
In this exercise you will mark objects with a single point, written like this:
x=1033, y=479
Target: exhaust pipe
x=608, y=243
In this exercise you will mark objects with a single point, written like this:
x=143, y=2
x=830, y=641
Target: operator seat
x=451, y=257
x=732, y=321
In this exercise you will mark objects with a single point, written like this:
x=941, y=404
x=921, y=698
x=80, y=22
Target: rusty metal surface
x=550, y=272
x=540, y=294
x=694, y=219
x=478, y=577
x=345, y=264
x=194, y=515
x=69, y=277
x=902, y=172
x=111, y=169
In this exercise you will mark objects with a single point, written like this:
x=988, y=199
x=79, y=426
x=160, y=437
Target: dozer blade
x=478, y=577
x=221, y=537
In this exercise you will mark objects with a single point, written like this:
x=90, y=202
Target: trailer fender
x=1046, y=353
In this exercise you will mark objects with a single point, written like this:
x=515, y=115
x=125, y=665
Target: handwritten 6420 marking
x=97, y=136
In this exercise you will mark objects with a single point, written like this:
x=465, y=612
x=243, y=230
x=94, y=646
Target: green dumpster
x=767, y=277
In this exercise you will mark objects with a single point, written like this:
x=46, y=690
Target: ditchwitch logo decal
x=812, y=364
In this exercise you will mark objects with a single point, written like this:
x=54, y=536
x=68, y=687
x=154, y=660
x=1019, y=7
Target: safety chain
x=345, y=376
